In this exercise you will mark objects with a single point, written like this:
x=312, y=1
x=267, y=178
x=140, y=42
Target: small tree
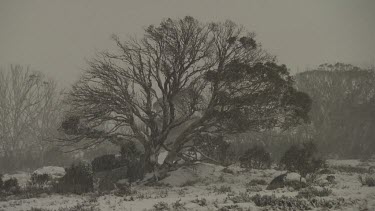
x=302, y=159
x=256, y=157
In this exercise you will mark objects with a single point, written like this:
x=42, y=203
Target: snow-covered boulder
x=54, y=171
x=294, y=177
x=192, y=173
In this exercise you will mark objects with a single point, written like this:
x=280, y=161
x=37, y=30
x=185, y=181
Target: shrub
x=78, y=179
x=214, y=147
x=222, y=189
x=133, y=159
x=312, y=192
x=367, y=180
x=283, y=203
x=105, y=163
x=161, y=206
x=39, y=180
x=241, y=198
x=201, y=202
x=302, y=159
x=256, y=157
x=351, y=169
x=11, y=185
x=178, y=205
x=255, y=182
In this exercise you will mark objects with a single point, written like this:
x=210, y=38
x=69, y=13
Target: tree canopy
x=212, y=79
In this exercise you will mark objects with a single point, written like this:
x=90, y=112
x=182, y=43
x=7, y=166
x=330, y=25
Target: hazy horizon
x=55, y=37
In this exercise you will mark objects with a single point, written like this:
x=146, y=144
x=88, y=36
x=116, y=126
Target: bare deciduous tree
x=210, y=78
x=28, y=111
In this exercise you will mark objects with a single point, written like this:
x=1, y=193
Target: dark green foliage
x=11, y=186
x=78, y=179
x=312, y=192
x=256, y=157
x=39, y=180
x=214, y=147
x=105, y=163
x=367, y=180
x=283, y=203
x=351, y=169
x=134, y=160
x=1, y=181
x=255, y=182
x=222, y=189
x=302, y=159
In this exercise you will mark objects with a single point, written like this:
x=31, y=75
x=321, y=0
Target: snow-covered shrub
x=312, y=192
x=351, y=169
x=283, y=203
x=161, y=206
x=78, y=179
x=214, y=147
x=255, y=182
x=222, y=189
x=367, y=180
x=240, y=198
x=201, y=202
x=302, y=159
x=256, y=157
x=178, y=205
x=105, y=163
x=39, y=180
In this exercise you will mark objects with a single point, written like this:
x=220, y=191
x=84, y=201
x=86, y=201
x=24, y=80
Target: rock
x=278, y=182
x=293, y=180
x=291, y=177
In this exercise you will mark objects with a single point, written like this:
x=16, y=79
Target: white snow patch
x=53, y=171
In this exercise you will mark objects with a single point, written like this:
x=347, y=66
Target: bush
x=283, y=203
x=255, y=182
x=351, y=169
x=133, y=159
x=1, y=182
x=222, y=189
x=256, y=157
x=105, y=163
x=302, y=159
x=161, y=206
x=39, y=180
x=241, y=198
x=11, y=186
x=312, y=192
x=78, y=179
x=214, y=147
x=367, y=180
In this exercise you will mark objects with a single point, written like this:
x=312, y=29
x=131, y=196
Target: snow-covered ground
x=202, y=187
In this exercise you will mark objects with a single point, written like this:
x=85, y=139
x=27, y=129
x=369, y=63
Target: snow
x=207, y=178
x=54, y=171
x=162, y=157
x=22, y=178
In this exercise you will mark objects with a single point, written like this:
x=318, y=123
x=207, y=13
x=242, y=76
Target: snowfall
x=195, y=187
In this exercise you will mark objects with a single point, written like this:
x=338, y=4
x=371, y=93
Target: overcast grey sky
x=56, y=36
